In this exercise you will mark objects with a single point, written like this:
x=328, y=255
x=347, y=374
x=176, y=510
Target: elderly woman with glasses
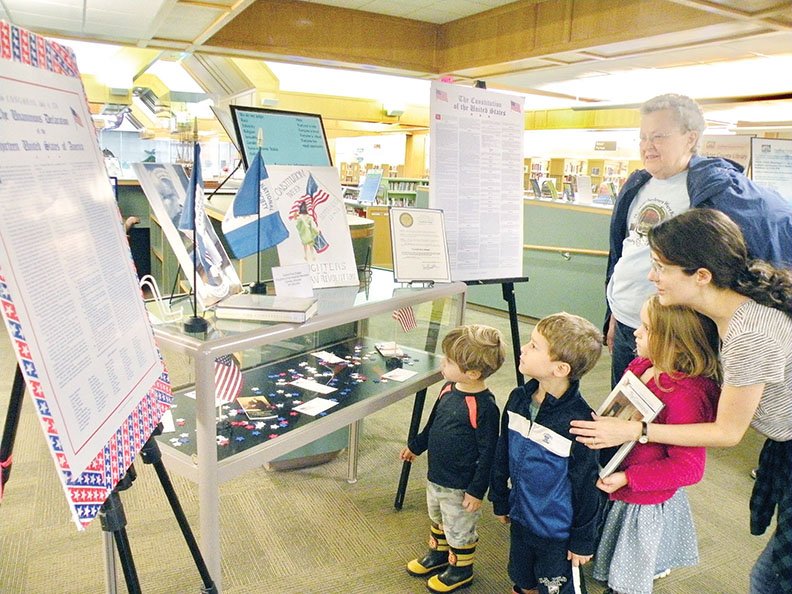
x=676, y=179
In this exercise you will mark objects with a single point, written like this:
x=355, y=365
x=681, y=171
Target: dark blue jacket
x=553, y=477
x=764, y=217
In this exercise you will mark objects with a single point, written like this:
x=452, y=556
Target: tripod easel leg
x=150, y=454
x=113, y=520
x=111, y=586
x=415, y=421
x=508, y=296
x=10, y=428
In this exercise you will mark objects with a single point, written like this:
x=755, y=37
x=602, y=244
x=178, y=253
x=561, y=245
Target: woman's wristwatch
x=644, y=438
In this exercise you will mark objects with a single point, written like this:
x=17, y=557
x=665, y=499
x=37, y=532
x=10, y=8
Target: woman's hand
x=612, y=482
x=605, y=432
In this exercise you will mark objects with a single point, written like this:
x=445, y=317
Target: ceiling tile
x=355, y=4
x=186, y=23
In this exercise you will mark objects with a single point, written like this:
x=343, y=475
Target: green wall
x=575, y=285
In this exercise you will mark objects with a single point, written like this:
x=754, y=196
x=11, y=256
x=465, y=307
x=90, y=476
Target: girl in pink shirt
x=649, y=528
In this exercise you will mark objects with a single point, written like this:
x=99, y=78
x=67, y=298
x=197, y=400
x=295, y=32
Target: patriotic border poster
x=68, y=290
x=310, y=203
x=476, y=160
x=165, y=187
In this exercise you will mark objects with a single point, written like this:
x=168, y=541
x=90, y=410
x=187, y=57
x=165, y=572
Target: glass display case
x=331, y=360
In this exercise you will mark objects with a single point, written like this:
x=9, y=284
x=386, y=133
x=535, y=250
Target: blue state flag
x=193, y=205
x=242, y=223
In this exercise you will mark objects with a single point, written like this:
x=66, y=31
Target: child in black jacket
x=460, y=435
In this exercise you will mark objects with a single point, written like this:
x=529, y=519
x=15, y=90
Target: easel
x=507, y=288
x=507, y=285
x=111, y=514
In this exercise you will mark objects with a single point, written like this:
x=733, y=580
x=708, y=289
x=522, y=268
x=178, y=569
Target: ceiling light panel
x=187, y=22
x=110, y=18
x=55, y=15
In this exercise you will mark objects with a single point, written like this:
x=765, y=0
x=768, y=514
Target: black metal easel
x=111, y=514
x=113, y=518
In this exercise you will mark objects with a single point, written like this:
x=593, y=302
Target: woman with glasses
x=701, y=260
x=675, y=179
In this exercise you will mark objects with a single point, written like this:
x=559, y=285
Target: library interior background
x=319, y=515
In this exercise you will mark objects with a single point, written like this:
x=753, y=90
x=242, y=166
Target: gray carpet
x=309, y=530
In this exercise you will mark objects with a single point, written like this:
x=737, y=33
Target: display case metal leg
x=352, y=449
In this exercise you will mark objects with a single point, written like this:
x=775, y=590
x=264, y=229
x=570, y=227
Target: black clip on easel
x=113, y=519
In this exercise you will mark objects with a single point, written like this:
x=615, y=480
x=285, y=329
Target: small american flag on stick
x=406, y=318
x=228, y=378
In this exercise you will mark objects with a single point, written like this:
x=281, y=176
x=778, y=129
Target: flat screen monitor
x=289, y=137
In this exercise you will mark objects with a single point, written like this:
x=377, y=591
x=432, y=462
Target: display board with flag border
x=117, y=409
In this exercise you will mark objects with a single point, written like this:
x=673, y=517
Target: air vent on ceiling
x=217, y=75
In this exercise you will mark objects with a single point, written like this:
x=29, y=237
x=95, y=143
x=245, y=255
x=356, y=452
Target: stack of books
x=266, y=308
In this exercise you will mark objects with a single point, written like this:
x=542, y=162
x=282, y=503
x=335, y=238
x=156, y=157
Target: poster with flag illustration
x=311, y=206
x=69, y=295
x=253, y=222
x=166, y=187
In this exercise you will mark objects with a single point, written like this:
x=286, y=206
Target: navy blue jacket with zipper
x=553, y=477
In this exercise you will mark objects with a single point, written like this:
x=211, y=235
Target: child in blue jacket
x=553, y=504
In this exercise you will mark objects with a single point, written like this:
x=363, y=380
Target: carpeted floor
x=309, y=530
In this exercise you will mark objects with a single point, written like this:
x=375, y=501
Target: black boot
x=435, y=558
x=458, y=574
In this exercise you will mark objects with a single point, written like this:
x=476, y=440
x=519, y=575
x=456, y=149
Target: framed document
x=420, y=251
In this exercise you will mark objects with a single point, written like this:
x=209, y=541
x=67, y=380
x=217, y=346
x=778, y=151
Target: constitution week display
x=68, y=290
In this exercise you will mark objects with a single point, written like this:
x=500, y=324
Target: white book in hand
x=266, y=308
x=631, y=400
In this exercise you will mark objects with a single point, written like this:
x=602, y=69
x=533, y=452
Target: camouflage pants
x=445, y=510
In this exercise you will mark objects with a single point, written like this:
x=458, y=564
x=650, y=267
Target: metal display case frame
x=379, y=296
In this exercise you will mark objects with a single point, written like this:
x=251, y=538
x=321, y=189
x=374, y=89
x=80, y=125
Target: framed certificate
x=420, y=251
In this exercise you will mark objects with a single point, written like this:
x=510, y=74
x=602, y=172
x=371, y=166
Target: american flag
x=313, y=197
x=228, y=378
x=77, y=118
x=406, y=318
x=516, y=106
x=441, y=95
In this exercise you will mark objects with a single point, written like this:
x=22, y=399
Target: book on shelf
x=267, y=308
x=257, y=408
x=631, y=400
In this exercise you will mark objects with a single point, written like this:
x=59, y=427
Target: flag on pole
x=254, y=196
x=406, y=318
x=194, y=203
x=228, y=378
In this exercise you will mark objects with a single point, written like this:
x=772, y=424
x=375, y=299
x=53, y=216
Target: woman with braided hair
x=699, y=259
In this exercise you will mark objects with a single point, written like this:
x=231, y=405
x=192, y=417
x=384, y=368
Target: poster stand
x=111, y=514
x=10, y=428
x=420, y=399
x=113, y=520
x=507, y=289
